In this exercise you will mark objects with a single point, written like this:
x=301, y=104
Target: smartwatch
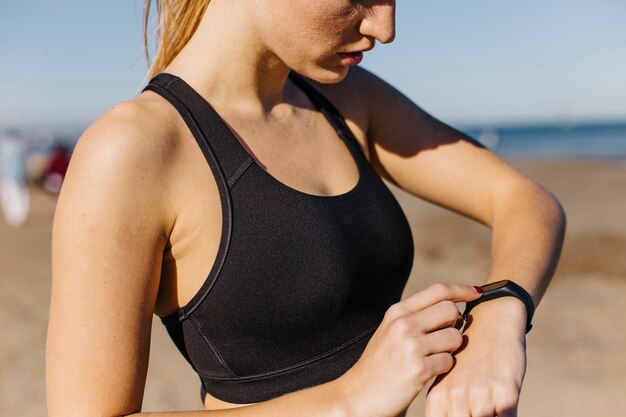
x=505, y=288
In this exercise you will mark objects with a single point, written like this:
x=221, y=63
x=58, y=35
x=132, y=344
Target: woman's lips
x=350, y=59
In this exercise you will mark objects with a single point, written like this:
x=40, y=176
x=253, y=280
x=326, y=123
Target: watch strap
x=507, y=288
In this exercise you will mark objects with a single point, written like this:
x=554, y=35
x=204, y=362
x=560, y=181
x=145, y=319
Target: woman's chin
x=326, y=75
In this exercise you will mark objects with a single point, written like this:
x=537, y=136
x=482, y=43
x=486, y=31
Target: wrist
x=499, y=289
x=503, y=313
x=342, y=401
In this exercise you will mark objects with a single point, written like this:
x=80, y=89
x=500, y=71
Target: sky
x=490, y=62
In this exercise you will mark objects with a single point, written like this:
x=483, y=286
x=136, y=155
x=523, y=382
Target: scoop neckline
x=286, y=186
x=310, y=195
x=264, y=171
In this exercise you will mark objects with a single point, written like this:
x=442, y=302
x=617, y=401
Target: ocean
x=584, y=141
x=605, y=141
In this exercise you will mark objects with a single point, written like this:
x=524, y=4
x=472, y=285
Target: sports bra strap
x=219, y=145
x=325, y=106
x=227, y=156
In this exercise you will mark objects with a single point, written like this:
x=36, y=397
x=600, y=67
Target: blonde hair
x=177, y=20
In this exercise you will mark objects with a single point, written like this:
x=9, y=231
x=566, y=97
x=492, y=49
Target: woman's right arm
x=109, y=231
x=111, y=224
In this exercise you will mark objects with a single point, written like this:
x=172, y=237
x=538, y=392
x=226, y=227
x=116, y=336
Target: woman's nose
x=380, y=21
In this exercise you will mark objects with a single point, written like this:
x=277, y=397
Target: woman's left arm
x=435, y=162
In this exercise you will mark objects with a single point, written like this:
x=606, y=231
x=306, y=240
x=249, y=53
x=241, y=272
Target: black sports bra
x=300, y=281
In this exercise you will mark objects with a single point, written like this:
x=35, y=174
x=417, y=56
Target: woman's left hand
x=486, y=378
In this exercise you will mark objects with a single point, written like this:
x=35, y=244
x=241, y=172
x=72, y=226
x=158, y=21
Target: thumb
x=440, y=292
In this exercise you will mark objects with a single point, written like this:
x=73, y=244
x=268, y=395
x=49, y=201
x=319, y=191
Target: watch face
x=494, y=285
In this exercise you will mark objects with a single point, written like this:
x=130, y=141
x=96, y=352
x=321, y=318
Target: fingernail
x=478, y=289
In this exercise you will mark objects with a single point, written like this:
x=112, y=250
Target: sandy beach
x=576, y=360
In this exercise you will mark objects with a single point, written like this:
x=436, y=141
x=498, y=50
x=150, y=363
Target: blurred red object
x=54, y=175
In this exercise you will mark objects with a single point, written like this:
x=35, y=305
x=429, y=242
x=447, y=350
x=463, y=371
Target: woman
x=14, y=192
x=258, y=228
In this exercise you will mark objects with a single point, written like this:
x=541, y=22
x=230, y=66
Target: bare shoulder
x=141, y=129
x=127, y=152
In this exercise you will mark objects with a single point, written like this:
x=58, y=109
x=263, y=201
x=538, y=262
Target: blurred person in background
x=240, y=198
x=54, y=174
x=14, y=191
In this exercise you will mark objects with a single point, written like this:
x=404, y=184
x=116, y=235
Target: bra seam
x=211, y=346
x=297, y=365
x=239, y=172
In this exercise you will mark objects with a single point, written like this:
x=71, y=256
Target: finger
x=438, y=399
x=484, y=412
x=508, y=412
x=441, y=315
x=438, y=363
x=458, y=324
x=481, y=400
x=445, y=340
x=439, y=292
x=507, y=403
x=436, y=403
x=459, y=405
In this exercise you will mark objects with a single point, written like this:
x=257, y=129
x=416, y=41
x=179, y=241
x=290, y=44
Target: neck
x=226, y=62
